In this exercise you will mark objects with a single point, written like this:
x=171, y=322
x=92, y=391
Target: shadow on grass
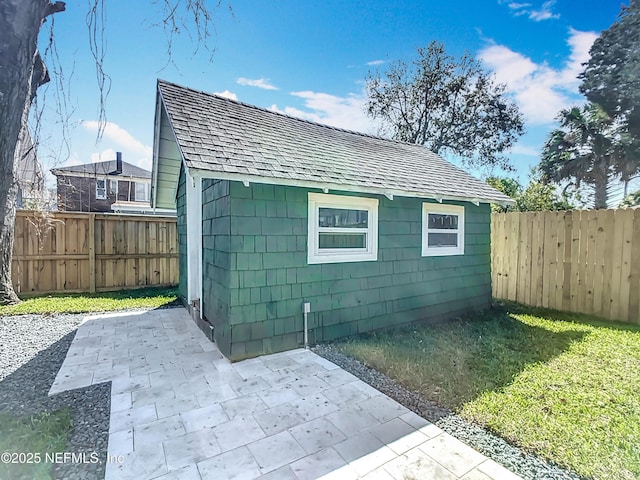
x=24, y=393
x=556, y=315
x=455, y=361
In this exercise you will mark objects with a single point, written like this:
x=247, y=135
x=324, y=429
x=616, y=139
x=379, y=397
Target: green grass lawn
x=94, y=302
x=561, y=385
x=37, y=435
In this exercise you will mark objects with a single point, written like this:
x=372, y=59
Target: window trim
x=428, y=208
x=146, y=191
x=321, y=200
x=104, y=189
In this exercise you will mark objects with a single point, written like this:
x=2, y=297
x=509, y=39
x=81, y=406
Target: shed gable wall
x=269, y=278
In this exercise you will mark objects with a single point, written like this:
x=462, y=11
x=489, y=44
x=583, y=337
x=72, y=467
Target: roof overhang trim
x=325, y=187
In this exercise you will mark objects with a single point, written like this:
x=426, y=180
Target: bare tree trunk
x=600, y=192
x=21, y=73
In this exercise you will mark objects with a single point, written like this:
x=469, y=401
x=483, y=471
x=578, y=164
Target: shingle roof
x=217, y=134
x=104, y=168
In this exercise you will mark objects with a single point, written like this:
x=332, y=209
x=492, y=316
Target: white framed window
x=142, y=192
x=442, y=229
x=342, y=229
x=113, y=187
x=101, y=188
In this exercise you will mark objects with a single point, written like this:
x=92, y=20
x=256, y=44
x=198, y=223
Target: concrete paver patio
x=180, y=410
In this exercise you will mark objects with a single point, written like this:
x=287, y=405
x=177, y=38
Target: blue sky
x=309, y=59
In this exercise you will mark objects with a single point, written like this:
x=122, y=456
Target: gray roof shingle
x=104, y=168
x=217, y=134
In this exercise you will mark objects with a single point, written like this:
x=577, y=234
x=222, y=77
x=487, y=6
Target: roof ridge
x=324, y=125
x=103, y=162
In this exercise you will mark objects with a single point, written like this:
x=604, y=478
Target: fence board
x=634, y=276
x=566, y=261
x=88, y=252
x=524, y=275
x=582, y=286
x=497, y=234
x=616, y=262
x=598, y=271
x=605, y=306
x=537, y=259
x=512, y=272
x=580, y=261
x=625, y=268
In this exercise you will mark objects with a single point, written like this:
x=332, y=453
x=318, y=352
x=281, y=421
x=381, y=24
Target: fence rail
x=579, y=261
x=89, y=252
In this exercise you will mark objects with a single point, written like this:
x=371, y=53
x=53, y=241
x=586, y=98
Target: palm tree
x=588, y=148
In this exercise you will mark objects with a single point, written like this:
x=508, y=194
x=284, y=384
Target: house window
x=342, y=229
x=142, y=192
x=442, y=230
x=113, y=187
x=101, y=188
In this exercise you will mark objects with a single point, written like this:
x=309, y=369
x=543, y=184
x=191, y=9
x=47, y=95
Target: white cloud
x=540, y=90
x=133, y=150
x=580, y=43
x=518, y=6
x=545, y=12
x=375, y=63
x=259, y=83
x=525, y=150
x=227, y=94
x=119, y=135
x=342, y=112
x=104, y=156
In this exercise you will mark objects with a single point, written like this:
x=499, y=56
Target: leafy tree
x=590, y=147
x=612, y=75
x=22, y=71
x=448, y=105
x=510, y=187
x=543, y=196
x=631, y=200
x=537, y=195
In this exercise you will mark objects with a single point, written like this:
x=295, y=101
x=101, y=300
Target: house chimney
x=118, y=163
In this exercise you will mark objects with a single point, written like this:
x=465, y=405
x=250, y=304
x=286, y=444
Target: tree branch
x=55, y=8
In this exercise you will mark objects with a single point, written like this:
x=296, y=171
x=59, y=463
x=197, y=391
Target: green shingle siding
x=181, y=213
x=218, y=256
x=257, y=275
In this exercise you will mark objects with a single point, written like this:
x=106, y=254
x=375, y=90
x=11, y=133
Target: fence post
x=92, y=253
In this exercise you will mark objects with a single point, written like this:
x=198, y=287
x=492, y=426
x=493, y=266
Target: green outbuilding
x=293, y=232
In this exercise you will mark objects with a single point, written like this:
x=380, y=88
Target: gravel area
x=528, y=466
x=32, y=349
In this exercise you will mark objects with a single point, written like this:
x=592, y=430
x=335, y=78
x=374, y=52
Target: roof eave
x=326, y=186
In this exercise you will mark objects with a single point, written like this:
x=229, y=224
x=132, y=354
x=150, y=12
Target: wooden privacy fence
x=89, y=252
x=579, y=261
